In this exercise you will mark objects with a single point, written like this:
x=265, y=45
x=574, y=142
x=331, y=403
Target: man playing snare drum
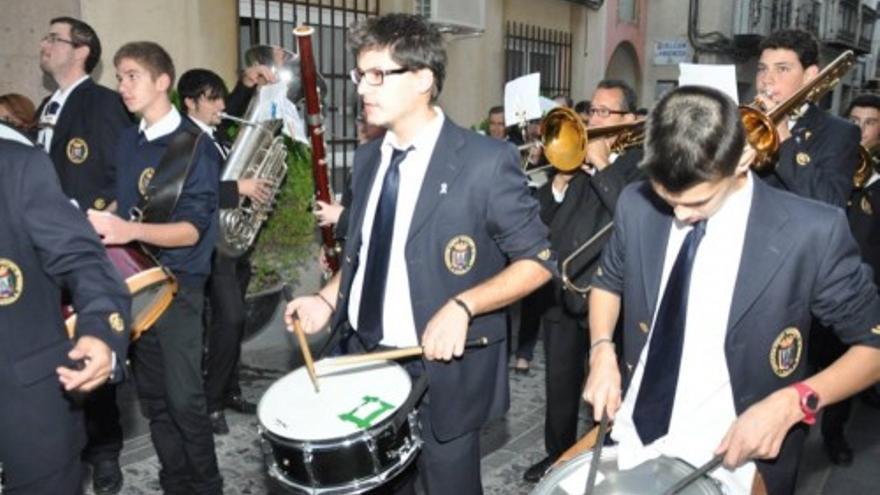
x=442, y=235
x=721, y=276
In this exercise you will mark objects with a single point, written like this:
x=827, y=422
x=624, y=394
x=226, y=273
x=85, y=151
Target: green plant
x=288, y=235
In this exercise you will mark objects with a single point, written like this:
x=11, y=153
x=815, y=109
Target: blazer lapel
x=65, y=120
x=765, y=246
x=442, y=169
x=360, y=197
x=654, y=235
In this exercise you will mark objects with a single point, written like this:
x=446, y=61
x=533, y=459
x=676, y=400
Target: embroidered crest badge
x=802, y=159
x=11, y=282
x=144, y=180
x=116, y=323
x=77, y=150
x=460, y=254
x=785, y=353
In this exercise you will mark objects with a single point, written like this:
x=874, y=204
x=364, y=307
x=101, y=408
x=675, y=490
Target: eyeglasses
x=374, y=77
x=604, y=112
x=53, y=38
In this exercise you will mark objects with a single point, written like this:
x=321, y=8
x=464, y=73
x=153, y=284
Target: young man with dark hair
x=79, y=127
x=719, y=277
x=443, y=235
x=202, y=93
x=819, y=151
x=167, y=359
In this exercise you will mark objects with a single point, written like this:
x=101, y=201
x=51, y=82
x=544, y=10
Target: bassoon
x=315, y=125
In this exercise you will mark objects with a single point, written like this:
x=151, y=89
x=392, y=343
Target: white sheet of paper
x=547, y=104
x=522, y=99
x=720, y=77
x=577, y=481
x=273, y=104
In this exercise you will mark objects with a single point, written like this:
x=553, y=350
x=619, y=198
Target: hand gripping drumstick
x=392, y=354
x=303, y=343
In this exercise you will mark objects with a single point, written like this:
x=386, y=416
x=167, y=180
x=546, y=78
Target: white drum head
x=352, y=398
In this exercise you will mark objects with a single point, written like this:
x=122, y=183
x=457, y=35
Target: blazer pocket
x=42, y=363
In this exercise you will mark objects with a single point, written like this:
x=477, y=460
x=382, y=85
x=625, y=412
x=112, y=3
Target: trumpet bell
x=564, y=139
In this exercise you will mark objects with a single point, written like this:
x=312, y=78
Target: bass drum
x=354, y=435
x=652, y=477
x=151, y=285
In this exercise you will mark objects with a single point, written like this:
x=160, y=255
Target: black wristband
x=464, y=307
x=321, y=297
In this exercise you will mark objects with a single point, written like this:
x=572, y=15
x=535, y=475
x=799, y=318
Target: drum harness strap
x=164, y=189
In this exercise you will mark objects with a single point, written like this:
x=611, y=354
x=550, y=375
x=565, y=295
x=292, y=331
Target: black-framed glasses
x=604, y=112
x=53, y=38
x=374, y=77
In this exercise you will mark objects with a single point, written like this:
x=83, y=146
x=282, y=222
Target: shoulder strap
x=166, y=185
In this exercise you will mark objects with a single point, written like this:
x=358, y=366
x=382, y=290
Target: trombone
x=565, y=137
x=760, y=124
x=567, y=281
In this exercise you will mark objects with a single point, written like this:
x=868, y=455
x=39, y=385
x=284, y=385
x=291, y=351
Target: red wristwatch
x=809, y=401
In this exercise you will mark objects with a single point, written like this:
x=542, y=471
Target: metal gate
x=534, y=49
x=272, y=22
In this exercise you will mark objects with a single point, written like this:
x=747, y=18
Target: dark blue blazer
x=799, y=262
x=46, y=244
x=84, y=143
x=473, y=187
x=819, y=159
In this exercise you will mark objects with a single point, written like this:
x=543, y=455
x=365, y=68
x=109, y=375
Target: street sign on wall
x=671, y=52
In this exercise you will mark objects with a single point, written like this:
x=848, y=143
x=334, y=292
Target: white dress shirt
x=47, y=122
x=703, y=409
x=164, y=126
x=398, y=322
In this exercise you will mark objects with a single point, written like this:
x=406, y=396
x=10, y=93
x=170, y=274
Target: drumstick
x=597, y=454
x=307, y=354
x=699, y=473
x=390, y=355
x=303, y=343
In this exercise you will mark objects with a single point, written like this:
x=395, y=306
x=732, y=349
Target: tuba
x=760, y=124
x=258, y=151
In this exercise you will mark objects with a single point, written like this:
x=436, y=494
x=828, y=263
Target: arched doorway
x=624, y=65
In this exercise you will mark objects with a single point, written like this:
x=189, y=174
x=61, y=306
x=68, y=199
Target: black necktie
x=653, y=408
x=52, y=108
x=369, y=324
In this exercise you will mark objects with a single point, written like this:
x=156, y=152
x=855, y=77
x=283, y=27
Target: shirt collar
x=166, y=125
x=61, y=96
x=203, y=126
x=426, y=137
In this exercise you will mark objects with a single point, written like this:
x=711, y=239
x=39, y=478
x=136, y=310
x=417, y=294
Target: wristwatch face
x=811, y=401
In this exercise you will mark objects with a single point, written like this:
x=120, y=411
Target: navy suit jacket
x=84, y=144
x=799, y=261
x=46, y=244
x=473, y=187
x=819, y=159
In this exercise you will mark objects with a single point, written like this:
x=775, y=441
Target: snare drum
x=152, y=288
x=652, y=477
x=354, y=435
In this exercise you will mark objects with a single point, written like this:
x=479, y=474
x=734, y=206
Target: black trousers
x=65, y=481
x=226, y=289
x=168, y=374
x=103, y=428
x=566, y=346
x=825, y=348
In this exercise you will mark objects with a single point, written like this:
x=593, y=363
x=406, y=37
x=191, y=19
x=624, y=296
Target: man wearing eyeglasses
x=576, y=206
x=80, y=123
x=443, y=234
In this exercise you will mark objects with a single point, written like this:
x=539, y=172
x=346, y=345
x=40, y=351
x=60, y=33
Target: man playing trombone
x=576, y=205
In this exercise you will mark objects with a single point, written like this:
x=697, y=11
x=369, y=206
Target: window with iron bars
x=531, y=49
x=272, y=21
